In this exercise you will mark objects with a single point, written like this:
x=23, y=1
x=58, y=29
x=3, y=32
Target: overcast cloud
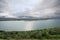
x=34, y=8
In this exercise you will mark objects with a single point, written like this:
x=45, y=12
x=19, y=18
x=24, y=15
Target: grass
x=45, y=34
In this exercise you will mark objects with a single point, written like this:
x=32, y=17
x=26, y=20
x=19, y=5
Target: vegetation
x=52, y=33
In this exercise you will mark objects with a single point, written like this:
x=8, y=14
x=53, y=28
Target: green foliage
x=34, y=34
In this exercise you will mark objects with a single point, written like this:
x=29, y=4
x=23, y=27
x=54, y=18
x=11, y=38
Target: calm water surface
x=28, y=25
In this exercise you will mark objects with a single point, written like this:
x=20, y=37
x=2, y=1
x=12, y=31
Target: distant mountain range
x=28, y=18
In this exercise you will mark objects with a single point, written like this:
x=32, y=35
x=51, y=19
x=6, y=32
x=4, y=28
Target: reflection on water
x=28, y=25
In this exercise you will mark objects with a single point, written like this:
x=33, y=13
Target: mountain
x=28, y=18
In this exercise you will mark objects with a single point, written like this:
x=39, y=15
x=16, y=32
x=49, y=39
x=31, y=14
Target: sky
x=33, y=8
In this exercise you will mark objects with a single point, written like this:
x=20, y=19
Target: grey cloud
x=47, y=9
x=52, y=5
x=3, y=5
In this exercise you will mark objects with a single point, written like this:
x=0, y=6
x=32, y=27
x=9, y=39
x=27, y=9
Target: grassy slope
x=35, y=34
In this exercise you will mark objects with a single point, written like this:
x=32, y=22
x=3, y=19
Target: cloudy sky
x=34, y=8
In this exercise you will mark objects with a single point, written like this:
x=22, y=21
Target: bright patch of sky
x=22, y=5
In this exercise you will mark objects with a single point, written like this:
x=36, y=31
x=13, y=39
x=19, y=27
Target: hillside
x=34, y=34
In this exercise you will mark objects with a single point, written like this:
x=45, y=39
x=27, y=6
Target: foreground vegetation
x=52, y=33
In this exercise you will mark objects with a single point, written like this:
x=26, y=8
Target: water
x=28, y=25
